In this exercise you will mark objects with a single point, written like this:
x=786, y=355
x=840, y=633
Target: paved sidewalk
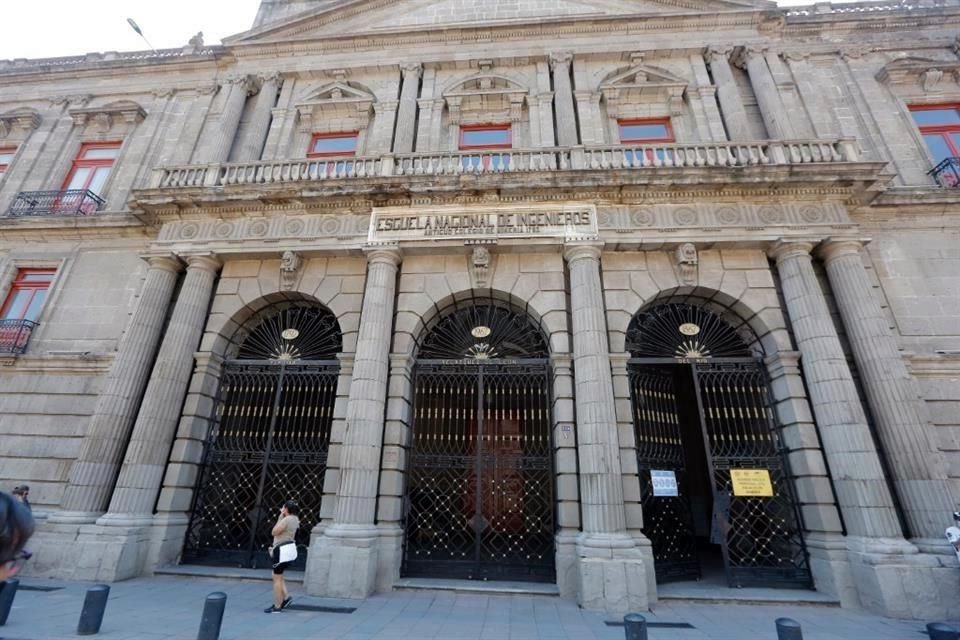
x=166, y=607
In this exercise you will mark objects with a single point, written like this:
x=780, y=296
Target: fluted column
x=862, y=492
x=251, y=144
x=360, y=453
x=899, y=411
x=407, y=112
x=601, y=485
x=92, y=474
x=563, y=99
x=143, y=466
x=765, y=89
x=728, y=94
x=222, y=141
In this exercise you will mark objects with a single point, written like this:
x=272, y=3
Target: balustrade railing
x=14, y=336
x=73, y=202
x=460, y=163
x=947, y=173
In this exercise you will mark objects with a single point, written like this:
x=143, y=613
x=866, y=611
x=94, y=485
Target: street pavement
x=168, y=607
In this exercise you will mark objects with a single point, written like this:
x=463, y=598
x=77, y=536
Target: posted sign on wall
x=751, y=483
x=664, y=484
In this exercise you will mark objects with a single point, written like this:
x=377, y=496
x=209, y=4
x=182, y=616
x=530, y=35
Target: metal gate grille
x=667, y=520
x=763, y=544
x=479, y=502
x=269, y=445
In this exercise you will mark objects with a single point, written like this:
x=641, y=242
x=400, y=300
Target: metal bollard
x=636, y=626
x=788, y=629
x=94, y=606
x=8, y=590
x=212, y=616
x=941, y=631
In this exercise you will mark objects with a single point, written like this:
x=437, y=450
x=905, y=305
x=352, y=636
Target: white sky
x=51, y=28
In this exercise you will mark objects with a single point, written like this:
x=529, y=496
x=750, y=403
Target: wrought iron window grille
x=14, y=335
x=947, y=173
x=72, y=202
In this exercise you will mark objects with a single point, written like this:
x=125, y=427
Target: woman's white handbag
x=288, y=552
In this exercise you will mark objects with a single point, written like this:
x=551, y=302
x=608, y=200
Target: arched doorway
x=270, y=436
x=716, y=489
x=480, y=484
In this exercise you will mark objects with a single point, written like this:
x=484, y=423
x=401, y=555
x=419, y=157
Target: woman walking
x=283, y=553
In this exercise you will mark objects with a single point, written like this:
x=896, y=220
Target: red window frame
x=333, y=154
x=4, y=166
x=946, y=131
x=464, y=146
x=23, y=282
x=91, y=163
x=641, y=121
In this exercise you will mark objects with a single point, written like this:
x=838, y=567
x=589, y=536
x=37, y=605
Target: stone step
x=700, y=593
x=227, y=573
x=488, y=587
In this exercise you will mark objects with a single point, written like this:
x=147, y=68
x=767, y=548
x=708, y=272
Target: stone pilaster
x=93, y=473
x=901, y=415
x=891, y=577
x=774, y=115
x=344, y=561
x=728, y=94
x=146, y=457
x=563, y=99
x=611, y=569
x=255, y=135
x=407, y=112
x=221, y=141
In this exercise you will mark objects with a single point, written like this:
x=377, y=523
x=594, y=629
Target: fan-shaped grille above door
x=682, y=331
x=295, y=333
x=484, y=331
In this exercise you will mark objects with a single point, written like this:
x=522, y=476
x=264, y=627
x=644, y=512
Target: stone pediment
x=932, y=75
x=337, y=101
x=356, y=17
x=642, y=83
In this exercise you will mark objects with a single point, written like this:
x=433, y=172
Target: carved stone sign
x=566, y=222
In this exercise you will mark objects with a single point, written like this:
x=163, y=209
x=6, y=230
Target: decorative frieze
x=266, y=229
x=722, y=215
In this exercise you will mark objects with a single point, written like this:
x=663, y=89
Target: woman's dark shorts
x=279, y=567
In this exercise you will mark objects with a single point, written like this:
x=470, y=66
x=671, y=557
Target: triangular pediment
x=641, y=74
x=361, y=17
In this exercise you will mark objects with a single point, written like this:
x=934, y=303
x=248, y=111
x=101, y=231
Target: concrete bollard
x=94, y=606
x=788, y=629
x=212, y=616
x=635, y=626
x=942, y=631
x=8, y=590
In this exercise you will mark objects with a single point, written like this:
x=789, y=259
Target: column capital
x=573, y=252
x=164, y=261
x=414, y=69
x=833, y=248
x=249, y=84
x=274, y=77
x=383, y=254
x=562, y=58
x=782, y=250
x=717, y=52
x=744, y=55
x=204, y=261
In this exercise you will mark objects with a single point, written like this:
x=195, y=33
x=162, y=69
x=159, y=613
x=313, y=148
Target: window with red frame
x=6, y=157
x=487, y=136
x=940, y=127
x=92, y=167
x=632, y=131
x=325, y=145
x=27, y=294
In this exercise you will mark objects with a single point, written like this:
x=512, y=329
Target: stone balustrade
x=456, y=163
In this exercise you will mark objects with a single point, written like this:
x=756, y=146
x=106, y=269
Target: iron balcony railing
x=72, y=202
x=14, y=336
x=947, y=173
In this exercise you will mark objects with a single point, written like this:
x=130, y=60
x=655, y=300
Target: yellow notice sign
x=751, y=483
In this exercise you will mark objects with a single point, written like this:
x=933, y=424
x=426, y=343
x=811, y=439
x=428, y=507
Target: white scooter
x=953, y=534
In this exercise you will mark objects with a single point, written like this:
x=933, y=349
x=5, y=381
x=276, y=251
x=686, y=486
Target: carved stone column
x=222, y=140
x=901, y=414
x=728, y=94
x=612, y=571
x=345, y=561
x=407, y=112
x=146, y=458
x=563, y=87
x=255, y=136
x=93, y=473
x=765, y=89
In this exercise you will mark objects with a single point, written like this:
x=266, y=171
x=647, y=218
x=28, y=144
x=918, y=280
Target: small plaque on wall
x=751, y=483
x=664, y=484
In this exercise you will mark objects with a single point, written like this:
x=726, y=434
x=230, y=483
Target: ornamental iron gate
x=726, y=406
x=479, y=501
x=270, y=439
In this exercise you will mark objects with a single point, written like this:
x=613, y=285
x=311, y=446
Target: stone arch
x=414, y=323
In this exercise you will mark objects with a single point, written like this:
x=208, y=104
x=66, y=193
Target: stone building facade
x=601, y=294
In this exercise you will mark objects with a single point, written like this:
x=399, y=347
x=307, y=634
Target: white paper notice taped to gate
x=664, y=484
